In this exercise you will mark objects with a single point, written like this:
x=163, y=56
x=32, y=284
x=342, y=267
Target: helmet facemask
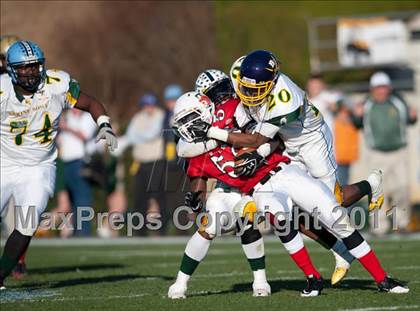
x=220, y=91
x=192, y=124
x=28, y=75
x=252, y=93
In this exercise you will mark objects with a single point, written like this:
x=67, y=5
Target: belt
x=266, y=178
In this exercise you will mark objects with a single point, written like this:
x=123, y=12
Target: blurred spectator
x=145, y=134
x=384, y=117
x=76, y=128
x=175, y=178
x=322, y=98
x=346, y=143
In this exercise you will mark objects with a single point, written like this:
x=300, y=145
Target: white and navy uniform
x=307, y=138
x=28, y=148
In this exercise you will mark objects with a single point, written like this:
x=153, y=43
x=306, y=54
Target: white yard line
x=176, y=240
x=44, y=299
x=383, y=308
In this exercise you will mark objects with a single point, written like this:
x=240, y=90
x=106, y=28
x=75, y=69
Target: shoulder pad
x=57, y=81
x=286, y=97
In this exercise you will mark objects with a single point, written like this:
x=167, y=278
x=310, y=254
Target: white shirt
x=71, y=146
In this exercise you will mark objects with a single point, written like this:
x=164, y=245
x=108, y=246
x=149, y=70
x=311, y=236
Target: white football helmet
x=216, y=85
x=208, y=78
x=193, y=116
x=234, y=72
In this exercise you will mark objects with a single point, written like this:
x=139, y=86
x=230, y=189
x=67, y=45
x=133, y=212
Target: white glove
x=105, y=132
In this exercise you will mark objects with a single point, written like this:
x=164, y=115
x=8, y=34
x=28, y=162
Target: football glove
x=193, y=201
x=105, y=132
x=199, y=130
x=247, y=163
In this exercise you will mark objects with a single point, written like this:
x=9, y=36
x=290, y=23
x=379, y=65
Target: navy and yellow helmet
x=257, y=74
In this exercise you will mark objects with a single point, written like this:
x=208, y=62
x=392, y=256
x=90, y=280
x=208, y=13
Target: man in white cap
x=384, y=117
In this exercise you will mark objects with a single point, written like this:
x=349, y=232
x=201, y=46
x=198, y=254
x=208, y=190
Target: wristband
x=102, y=119
x=219, y=134
x=264, y=150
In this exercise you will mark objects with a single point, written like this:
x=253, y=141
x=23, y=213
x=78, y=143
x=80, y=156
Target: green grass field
x=135, y=275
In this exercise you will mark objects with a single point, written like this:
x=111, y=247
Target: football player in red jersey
x=221, y=201
x=289, y=184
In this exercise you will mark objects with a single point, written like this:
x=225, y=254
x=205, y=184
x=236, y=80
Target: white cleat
x=261, y=289
x=375, y=179
x=177, y=291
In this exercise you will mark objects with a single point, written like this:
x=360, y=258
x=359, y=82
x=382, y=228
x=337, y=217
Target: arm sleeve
x=189, y=150
x=72, y=94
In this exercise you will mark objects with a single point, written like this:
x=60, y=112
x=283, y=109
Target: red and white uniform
x=219, y=164
x=290, y=185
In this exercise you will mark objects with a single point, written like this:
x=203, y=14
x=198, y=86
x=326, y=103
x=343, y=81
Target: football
x=240, y=152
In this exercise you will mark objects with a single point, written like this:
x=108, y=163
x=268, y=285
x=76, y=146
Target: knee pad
x=246, y=206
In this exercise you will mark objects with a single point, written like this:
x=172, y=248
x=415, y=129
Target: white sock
x=197, y=247
x=255, y=252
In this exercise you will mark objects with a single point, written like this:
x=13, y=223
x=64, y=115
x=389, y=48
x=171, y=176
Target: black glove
x=193, y=201
x=199, y=130
x=247, y=163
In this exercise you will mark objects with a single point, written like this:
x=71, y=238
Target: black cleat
x=313, y=287
x=390, y=285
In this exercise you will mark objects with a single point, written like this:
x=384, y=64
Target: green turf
x=136, y=277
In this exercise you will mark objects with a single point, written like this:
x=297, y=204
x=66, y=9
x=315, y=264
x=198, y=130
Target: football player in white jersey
x=32, y=100
x=7, y=218
x=280, y=107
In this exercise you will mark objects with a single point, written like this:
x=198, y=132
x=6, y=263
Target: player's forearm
x=237, y=139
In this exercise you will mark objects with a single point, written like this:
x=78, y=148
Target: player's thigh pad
x=220, y=208
x=273, y=200
x=318, y=157
x=8, y=178
x=34, y=187
x=314, y=197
